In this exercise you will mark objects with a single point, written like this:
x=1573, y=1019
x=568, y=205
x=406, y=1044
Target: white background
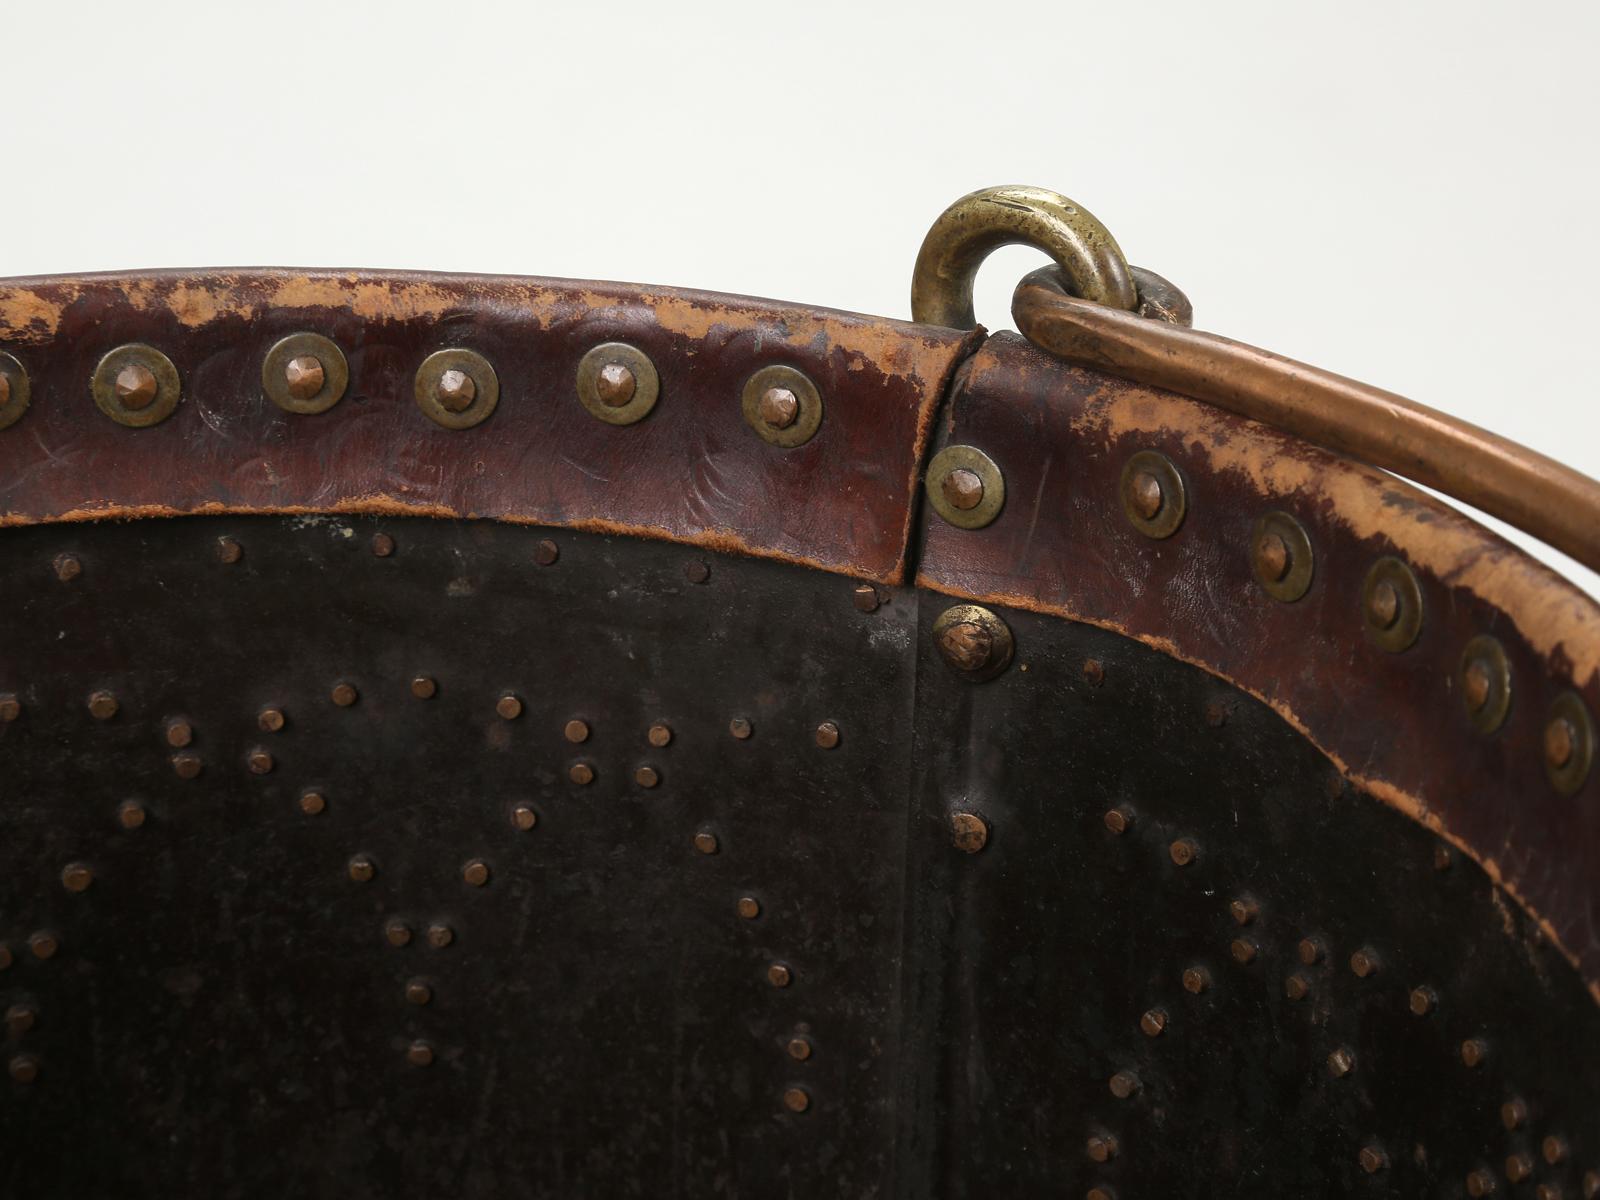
x=1401, y=192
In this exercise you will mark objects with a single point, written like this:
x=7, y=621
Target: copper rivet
x=1474, y=1051
x=827, y=735
x=1272, y=556
x=1372, y=1159
x=361, y=868
x=1591, y=1185
x=1093, y=673
x=67, y=567
x=963, y=489
x=76, y=877
x=1144, y=494
x=647, y=777
x=179, y=734
x=581, y=773
x=524, y=818
x=260, y=761
x=696, y=571
x=186, y=765
x=1554, y=1150
x=749, y=907
x=1297, y=986
x=1514, y=1113
x=1383, y=604
x=228, y=550
x=102, y=706
x=1441, y=858
x=418, y=992
x=1364, y=962
x=779, y=976
x=796, y=1100
x=136, y=386
x=397, y=933
x=968, y=832
x=508, y=706
x=304, y=376
x=1102, y=1147
x=344, y=695
x=1196, y=980
x=423, y=687
x=1243, y=950
x=1124, y=1084
x=778, y=407
x=270, y=719
x=865, y=597
x=476, y=872
x=1558, y=739
x=1183, y=851
x=1153, y=1022
x=1480, y=1182
x=1475, y=684
x=10, y=708
x=24, y=1068
x=419, y=1054
x=1281, y=557
x=455, y=390
x=706, y=842
x=1310, y=951
x=1340, y=1063
x=43, y=944
x=740, y=728
x=1244, y=909
x=1518, y=1167
x=311, y=803
x=382, y=545
x=130, y=814
x=799, y=1049
x=440, y=935
x=614, y=384
x=1118, y=820
x=576, y=731
x=546, y=552
x=19, y=1019
x=659, y=735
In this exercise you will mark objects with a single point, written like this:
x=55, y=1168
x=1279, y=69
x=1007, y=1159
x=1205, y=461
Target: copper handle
x=1536, y=494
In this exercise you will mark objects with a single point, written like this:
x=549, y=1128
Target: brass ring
x=1158, y=513
x=1390, y=582
x=1294, y=580
x=980, y=223
x=335, y=373
x=1489, y=657
x=485, y=384
x=969, y=503
x=1568, y=776
x=640, y=397
x=802, y=421
x=164, y=375
x=17, y=390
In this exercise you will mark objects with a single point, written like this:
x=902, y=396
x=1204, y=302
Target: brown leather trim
x=1394, y=722
x=692, y=470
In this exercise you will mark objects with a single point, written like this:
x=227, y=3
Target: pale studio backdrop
x=1401, y=192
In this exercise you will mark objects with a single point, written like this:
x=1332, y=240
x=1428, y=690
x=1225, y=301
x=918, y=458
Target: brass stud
x=581, y=773
x=1244, y=909
x=973, y=641
x=1094, y=674
x=179, y=733
x=312, y=803
x=10, y=707
x=576, y=731
x=696, y=571
x=779, y=976
x=1422, y=1001
x=1372, y=1159
x=796, y=1099
x=1518, y=1167
x=187, y=765
x=382, y=545
x=827, y=735
x=344, y=694
x=1297, y=986
x=1119, y=820
x=748, y=907
x=1280, y=554
x=361, y=868
x=475, y=872
x=1364, y=962
x=509, y=707
x=260, y=761
x=546, y=552
x=440, y=935
x=523, y=817
x=1474, y=1051
x=397, y=933
x=659, y=735
x=424, y=687
x=19, y=1019
x=102, y=705
x=740, y=728
x=229, y=551
x=1310, y=950
x=136, y=385
x=1480, y=1182
x=1183, y=851
x=1196, y=980
x=618, y=383
x=799, y=1048
x=865, y=597
x=1101, y=1147
x=418, y=992
x=965, y=487
x=706, y=842
x=1554, y=1150
x=456, y=388
x=76, y=877
x=24, y=1068
x=1547, y=1191
x=1153, y=496
x=1341, y=1062
x=1124, y=1084
x=1243, y=951
x=1153, y=1023
x=419, y=1054
x=968, y=832
x=1100, y=1192
x=15, y=390
x=67, y=567
x=1568, y=743
x=1485, y=679
x=43, y=944
x=1514, y=1113
x=766, y=401
x=270, y=720
x=1391, y=605
x=130, y=814
x=647, y=777
x=305, y=373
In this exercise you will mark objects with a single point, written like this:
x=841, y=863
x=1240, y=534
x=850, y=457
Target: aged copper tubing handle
x=979, y=223
x=1538, y=495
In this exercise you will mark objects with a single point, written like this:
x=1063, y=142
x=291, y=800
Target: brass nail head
x=614, y=385
x=796, y=1100
x=524, y=818
x=102, y=705
x=424, y=687
x=76, y=877
x=1272, y=556
x=440, y=935
x=344, y=695
x=1119, y=820
x=968, y=832
x=419, y=1054
x=136, y=386
x=1183, y=851
x=546, y=552
x=1196, y=980
x=740, y=728
x=361, y=868
x=576, y=731
x=963, y=489
x=418, y=992
x=476, y=872
x=827, y=735
x=1124, y=1084
x=311, y=803
x=455, y=390
x=67, y=567
x=1341, y=1062
x=659, y=735
x=1373, y=1159
x=778, y=407
x=706, y=842
x=799, y=1048
x=304, y=376
x=397, y=933
x=130, y=814
x=749, y=907
x=1101, y=1147
x=1153, y=1023
x=779, y=976
x=509, y=707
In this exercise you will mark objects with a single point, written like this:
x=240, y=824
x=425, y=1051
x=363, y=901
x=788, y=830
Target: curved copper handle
x=1538, y=495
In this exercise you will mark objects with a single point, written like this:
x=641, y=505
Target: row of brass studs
x=967, y=489
x=137, y=385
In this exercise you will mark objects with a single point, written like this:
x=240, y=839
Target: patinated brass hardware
x=136, y=385
x=305, y=373
x=457, y=388
x=1391, y=605
x=618, y=383
x=1153, y=495
x=14, y=390
x=1485, y=679
x=1280, y=553
x=782, y=405
x=965, y=486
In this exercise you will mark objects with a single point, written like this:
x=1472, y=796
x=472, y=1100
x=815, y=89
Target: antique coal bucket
x=476, y=736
